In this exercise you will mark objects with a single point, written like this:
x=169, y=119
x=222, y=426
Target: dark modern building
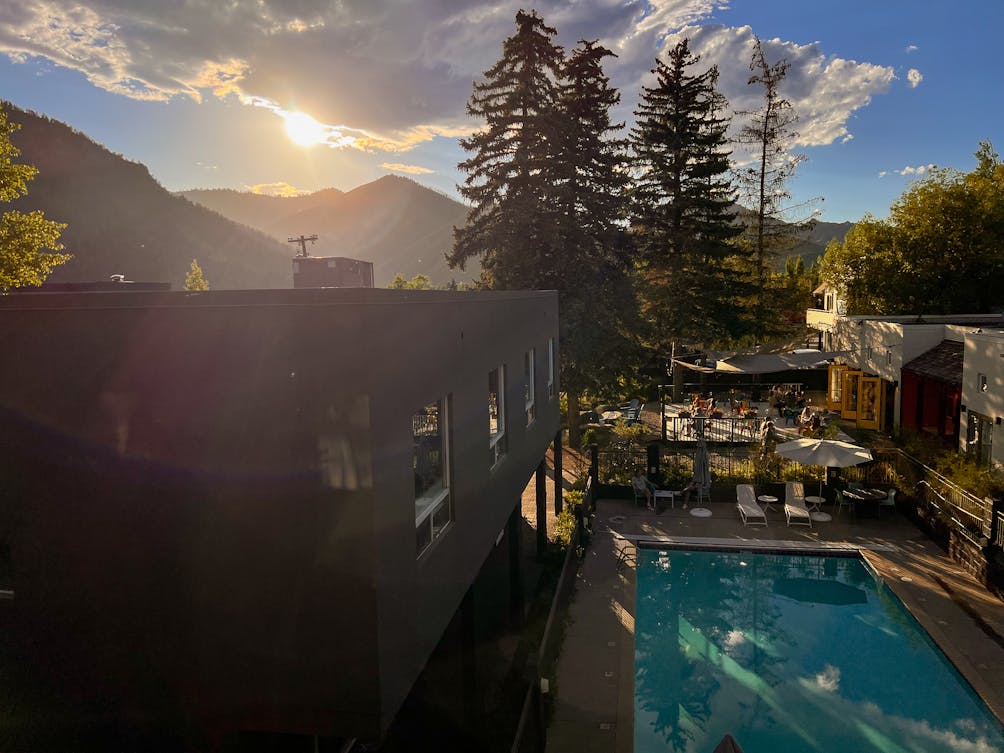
x=255, y=510
x=331, y=272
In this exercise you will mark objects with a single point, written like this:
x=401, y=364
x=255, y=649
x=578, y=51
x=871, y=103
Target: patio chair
x=794, y=491
x=797, y=514
x=749, y=511
x=795, y=511
x=888, y=504
x=843, y=502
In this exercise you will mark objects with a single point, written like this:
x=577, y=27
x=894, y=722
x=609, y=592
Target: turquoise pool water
x=791, y=653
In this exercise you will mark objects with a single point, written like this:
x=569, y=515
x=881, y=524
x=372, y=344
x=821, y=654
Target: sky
x=279, y=96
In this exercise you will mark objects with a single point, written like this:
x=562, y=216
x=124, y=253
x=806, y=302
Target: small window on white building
x=496, y=416
x=529, y=396
x=869, y=352
x=550, y=367
x=983, y=382
x=431, y=462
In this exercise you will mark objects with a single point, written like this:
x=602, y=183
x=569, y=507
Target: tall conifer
x=682, y=208
x=510, y=169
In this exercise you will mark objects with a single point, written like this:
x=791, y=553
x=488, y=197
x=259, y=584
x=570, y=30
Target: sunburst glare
x=303, y=130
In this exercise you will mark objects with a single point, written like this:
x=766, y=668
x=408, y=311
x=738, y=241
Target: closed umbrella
x=828, y=453
x=702, y=469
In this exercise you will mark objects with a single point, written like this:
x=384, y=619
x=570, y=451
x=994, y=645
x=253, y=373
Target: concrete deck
x=594, y=683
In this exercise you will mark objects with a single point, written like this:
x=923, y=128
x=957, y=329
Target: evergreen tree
x=510, y=172
x=546, y=179
x=27, y=240
x=195, y=280
x=763, y=186
x=589, y=260
x=682, y=204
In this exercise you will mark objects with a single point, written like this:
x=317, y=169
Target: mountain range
x=120, y=220
x=399, y=225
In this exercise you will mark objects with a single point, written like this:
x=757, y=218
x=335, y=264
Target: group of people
x=788, y=401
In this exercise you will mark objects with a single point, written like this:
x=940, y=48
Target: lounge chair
x=749, y=511
x=795, y=511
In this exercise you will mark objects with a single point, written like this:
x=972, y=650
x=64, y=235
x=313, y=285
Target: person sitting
x=644, y=488
x=594, y=417
x=691, y=486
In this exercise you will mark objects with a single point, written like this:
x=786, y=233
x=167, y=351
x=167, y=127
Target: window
x=496, y=416
x=869, y=352
x=550, y=367
x=529, y=389
x=829, y=302
x=983, y=382
x=433, y=506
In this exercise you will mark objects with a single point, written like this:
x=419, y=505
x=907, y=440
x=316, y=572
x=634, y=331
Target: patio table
x=767, y=501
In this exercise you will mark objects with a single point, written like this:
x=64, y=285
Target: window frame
x=429, y=506
x=550, y=367
x=529, y=388
x=497, y=441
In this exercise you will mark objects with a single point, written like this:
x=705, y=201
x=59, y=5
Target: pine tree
x=589, y=260
x=195, y=280
x=682, y=203
x=510, y=172
x=768, y=232
x=27, y=240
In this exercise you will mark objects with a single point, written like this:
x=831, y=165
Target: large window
x=496, y=416
x=550, y=367
x=433, y=506
x=529, y=394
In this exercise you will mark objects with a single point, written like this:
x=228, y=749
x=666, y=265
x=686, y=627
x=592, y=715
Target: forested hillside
x=399, y=225
x=121, y=221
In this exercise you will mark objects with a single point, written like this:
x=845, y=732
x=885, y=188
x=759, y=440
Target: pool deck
x=594, y=682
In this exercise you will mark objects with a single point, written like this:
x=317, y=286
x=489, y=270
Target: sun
x=303, y=130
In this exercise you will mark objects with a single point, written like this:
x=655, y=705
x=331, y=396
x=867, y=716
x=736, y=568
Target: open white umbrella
x=829, y=453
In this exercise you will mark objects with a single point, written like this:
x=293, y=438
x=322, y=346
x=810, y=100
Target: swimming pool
x=790, y=653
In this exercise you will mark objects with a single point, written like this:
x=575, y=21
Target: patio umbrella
x=828, y=453
x=702, y=470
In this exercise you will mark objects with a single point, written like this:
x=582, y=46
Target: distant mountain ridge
x=398, y=224
x=121, y=221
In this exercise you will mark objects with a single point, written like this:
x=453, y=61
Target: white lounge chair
x=749, y=510
x=795, y=511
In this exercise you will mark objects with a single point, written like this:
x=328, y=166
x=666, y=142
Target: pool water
x=791, y=653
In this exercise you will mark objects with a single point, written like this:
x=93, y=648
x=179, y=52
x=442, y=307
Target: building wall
x=216, y=492
x=984, y=354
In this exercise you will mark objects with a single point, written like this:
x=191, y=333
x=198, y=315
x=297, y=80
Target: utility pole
x=302, y=242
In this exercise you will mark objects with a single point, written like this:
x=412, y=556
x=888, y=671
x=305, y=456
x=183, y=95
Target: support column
x=469, y=661
x=541, y=509
x=516, y=599
x=557, y=473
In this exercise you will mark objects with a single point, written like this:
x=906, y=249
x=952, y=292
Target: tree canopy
x=28, y=241
x=546, y=178
x=941, y=250
x=767, y=229
x=682, y=203
x=195, y=279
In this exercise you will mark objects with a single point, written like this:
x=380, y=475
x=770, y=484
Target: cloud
x=385, y=76
x=824, y=90
x=911, y=48
x=397, y=167
x=279, y=188
x=914, y=77
x=909, y=170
